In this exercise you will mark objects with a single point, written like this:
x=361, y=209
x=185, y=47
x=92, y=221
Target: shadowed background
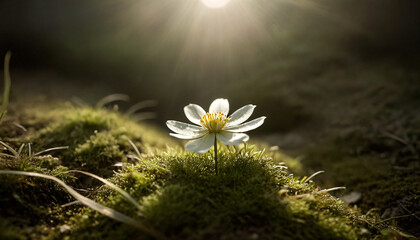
x=302, y=62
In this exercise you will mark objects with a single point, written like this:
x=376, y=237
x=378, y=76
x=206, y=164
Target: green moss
x=97, y=138
x=100, y=151
x=252, y=196
x=30, y=205
x=182, y=198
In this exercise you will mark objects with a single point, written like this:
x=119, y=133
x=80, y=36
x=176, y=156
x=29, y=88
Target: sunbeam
x=215, y=3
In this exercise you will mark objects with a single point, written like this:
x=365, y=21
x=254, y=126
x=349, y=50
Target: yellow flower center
x=214, y=122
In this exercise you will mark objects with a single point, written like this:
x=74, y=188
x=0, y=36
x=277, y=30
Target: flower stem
x=215, y=154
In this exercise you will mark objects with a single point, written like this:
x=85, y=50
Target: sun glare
x=215, y=3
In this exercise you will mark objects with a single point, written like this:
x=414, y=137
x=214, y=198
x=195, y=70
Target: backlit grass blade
x=51, y=149
x=13, y=151
x=313, y=175
x=331, y=189
x=135, y=148
x=6, y=91
x=112, y=98
x=141, y=105
x=109, y=212
x=113, y=186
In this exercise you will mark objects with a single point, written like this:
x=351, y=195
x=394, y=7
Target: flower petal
x=241, y=115
x=229, y=138
x=188, y=137
x=219, y=105
x=246, y=126
x=194, y=113
x=200, y=145
x=184, y=128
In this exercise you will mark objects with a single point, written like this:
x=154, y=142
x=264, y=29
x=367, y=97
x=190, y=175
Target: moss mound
x=252, y=197
x=96, y=138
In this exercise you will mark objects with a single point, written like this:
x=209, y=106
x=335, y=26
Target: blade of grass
x=135, y=148
x=13, y=151
x=6, y=91
x=20, y=149
x=313, y=175
x=6, y=155
x=20, y=126
x=78, y=102
x=50, y=149
x=70, y=203
x=112, y=98
x=30, y=150
x=113, y=186
x=143, y=116
x=331, y=189
x=141, y=105
x=109, y=212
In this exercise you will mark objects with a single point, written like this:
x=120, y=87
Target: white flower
x=214, y=125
